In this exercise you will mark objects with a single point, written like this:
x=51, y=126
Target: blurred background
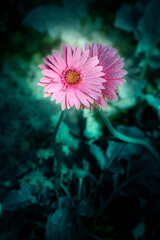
x=110, y=190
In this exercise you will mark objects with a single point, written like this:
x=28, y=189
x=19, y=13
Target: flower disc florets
x=72, y=77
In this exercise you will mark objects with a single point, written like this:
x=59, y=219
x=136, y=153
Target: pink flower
x=112, y=67
x=74, y=79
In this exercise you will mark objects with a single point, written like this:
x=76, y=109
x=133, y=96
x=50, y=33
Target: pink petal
x=69, y=56
x=45, y=80
x=60, y=60
x=87, y=46
x=42, y=84
x=50, y=73
x=76, y=56
x=54, y=96
x=42, y=66
x=47, y=94
x=91, y=63
x=82, y=97
x=84, y=57
x=94, y=49
x=116, y=67
x=54, y=65
x=95, y=70
x=60, y=96
x=103, y=102
x=89, y=92
x=64, y=52
x=111, y=62
x=110, y=94
x=115, y=75
x=63, y=103
x=53, y=87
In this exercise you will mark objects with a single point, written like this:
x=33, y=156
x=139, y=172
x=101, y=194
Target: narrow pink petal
x=99, y=49
x=54, y=96
x=116, y=67
x=67, y=101
x=94, y=49
x=64, y=52
x=60, y=96
x=94, y=81
x=94, y=70
x=76, y=56
x=111, y=62
x=50, y=73
x=53, y=87
x=95, y=75
x=103, y=102
x=42, y=66
x=54, y=65
x=63, y=103
x=42, y=84
x=115, y=75
x=59, y=59
x=69, y=56
x=47, y=94
x=91, y=63
x=84, y=57
x=70, y=98
x=96, y=88
x=115, y=83
x=110, y=94
x=87, y=46
x=91, y=107
x=82, y=97
x=73, y=100
x=45, y=80
x=89, y=92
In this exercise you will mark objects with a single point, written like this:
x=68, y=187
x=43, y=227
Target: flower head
x=112, y=67
x=74, y=79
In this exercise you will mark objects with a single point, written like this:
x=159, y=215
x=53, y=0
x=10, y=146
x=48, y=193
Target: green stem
x=79, y=188
x=126, y=138
x=57, y=155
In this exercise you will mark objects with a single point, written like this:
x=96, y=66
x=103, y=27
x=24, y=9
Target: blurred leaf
x=97, y=152
x=93, y=127
x=84, y=209
x=19, y=198
x=125, y=18
x=155, y=62
x=45, y=153
x=64, y=136
x=143, y=19
x=139, y=230
x=59, y=225
x=64, y=21
x=148, y=25
x=122, y=150
x=153, y=102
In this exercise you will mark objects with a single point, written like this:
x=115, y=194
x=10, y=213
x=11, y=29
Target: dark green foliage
x=19, y=198
x=108, y=189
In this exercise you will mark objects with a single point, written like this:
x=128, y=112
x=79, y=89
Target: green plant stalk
x=126, y=138
x=57, y=155
x=80, y=183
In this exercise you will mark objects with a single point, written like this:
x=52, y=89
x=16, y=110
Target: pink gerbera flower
x=74, y=79
x=112, y=67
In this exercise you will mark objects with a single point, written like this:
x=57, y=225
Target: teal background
x=110, y=190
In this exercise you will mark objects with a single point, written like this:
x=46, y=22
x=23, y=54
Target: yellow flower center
x=72, y=77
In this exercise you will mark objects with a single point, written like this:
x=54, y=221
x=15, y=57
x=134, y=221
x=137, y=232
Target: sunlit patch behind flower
x=74, y=79
x=112, y=65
